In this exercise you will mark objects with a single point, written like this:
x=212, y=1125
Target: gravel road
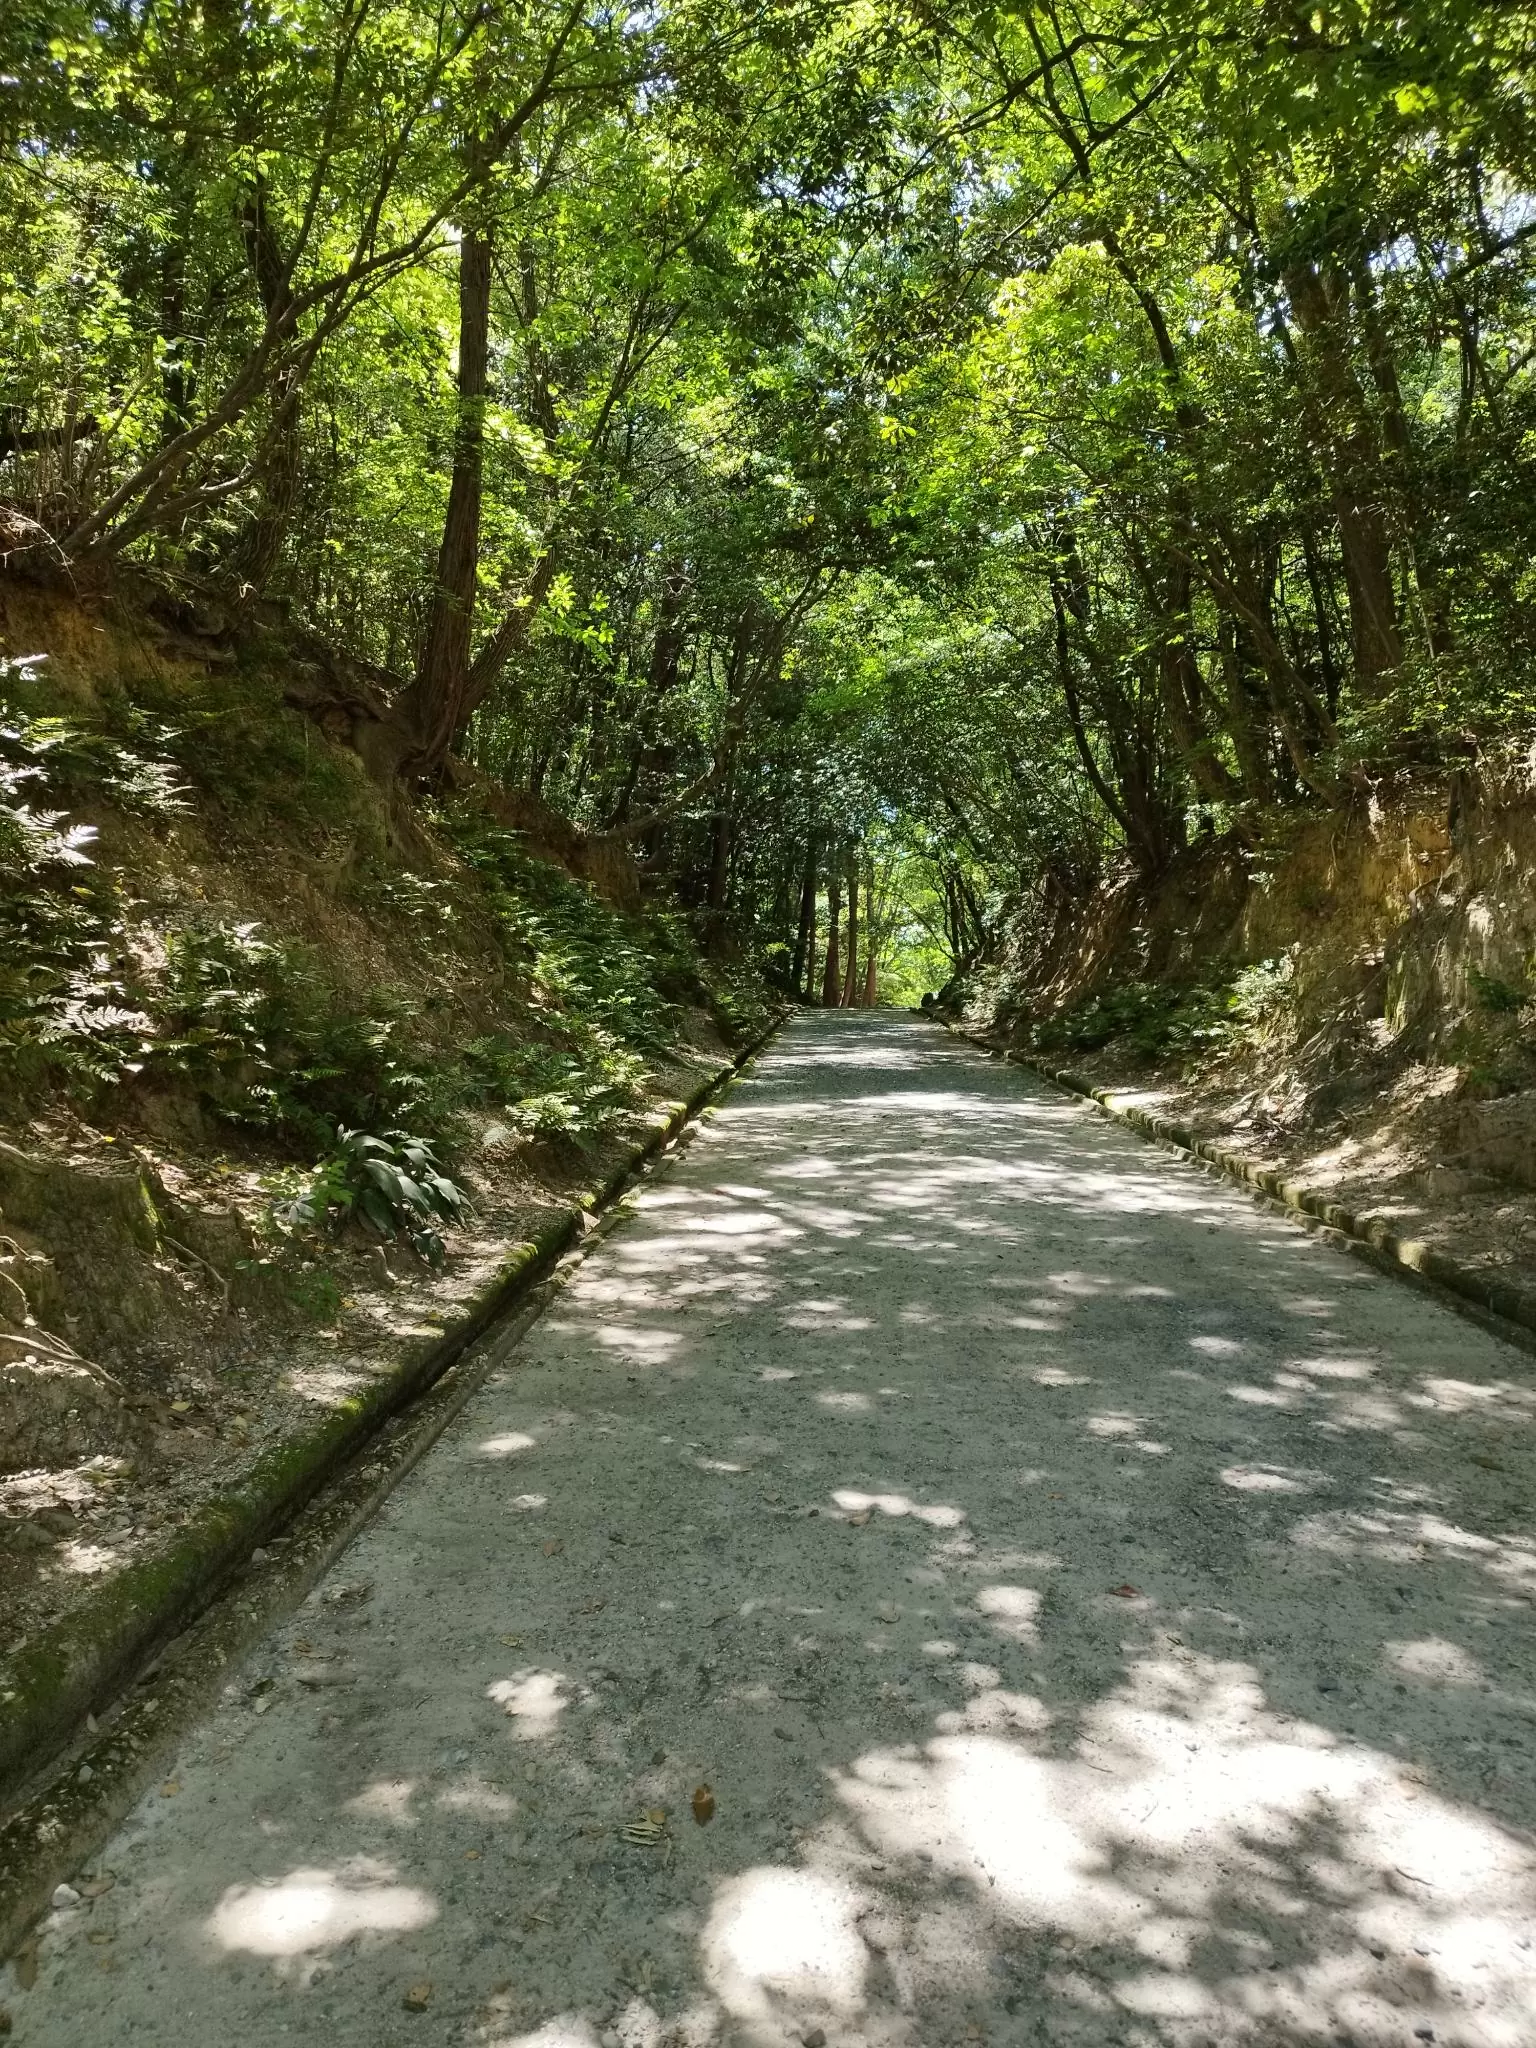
x=1099, y=1613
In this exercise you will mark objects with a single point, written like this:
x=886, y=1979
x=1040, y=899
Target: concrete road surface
x=1078, y=1606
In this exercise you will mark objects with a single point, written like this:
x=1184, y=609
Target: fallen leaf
x=181, y=1407
x=417, y=1997
x=170, y=1788
x=471, y=1855
x=703, y=1805
x=553, y=1547
x=1126, y=1592
x=512, y=1642
x=646, y=1829
x=857, y=1521
x=96, y=1887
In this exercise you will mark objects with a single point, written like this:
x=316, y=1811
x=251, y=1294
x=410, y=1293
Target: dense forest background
x=877, y=463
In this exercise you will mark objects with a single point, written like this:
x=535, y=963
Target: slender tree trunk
x=802, y=968
x=1249, y=732
x=1320, y=299
x=831, y=980
x=257, y=551
x=874, y=934
x=439, y=691
x=666, y=660
x=851, y=983
x=719, y=866
x=1179, y=675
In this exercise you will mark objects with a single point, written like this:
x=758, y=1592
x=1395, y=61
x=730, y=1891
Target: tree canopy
x=896, y=453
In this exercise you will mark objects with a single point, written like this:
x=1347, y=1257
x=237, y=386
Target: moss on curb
x=86, y=1658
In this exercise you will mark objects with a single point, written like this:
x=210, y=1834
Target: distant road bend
x=1099, y=1613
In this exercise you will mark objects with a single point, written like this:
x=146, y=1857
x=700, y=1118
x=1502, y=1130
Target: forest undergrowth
x=288, y=1063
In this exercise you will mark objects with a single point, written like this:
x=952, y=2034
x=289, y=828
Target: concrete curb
x=77, y=1667
x=1484, y=1291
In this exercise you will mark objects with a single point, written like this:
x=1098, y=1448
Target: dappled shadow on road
x=1102, y=1612
x=1258, y=1768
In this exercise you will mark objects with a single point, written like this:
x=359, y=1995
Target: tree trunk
x=1249, y=733
x=438, y=694
x=1179, y=675
x=256, y=553
x=831, y=980
x=851, y=983
x=1343, y=425
x=802, y=968
x=667, y=646
x=719, y=866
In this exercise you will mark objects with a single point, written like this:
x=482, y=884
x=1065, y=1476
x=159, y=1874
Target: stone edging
x=87, y=1658
x=1485, y=1291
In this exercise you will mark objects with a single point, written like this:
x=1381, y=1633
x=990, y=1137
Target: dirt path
x=1102, y=1614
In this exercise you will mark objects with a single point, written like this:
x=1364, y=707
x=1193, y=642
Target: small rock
x=888, y=1611
x=65, y=1895
x=258, y=1555
x=417, y=1997
x=814, y=2037
x=1423, y=2033
x=84, y=1775
x=358, y=1589
x=609, y=2039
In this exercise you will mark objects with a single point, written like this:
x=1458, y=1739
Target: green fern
x=390, y=1181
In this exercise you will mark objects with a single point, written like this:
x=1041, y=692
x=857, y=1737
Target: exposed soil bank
x=1352, y=1009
